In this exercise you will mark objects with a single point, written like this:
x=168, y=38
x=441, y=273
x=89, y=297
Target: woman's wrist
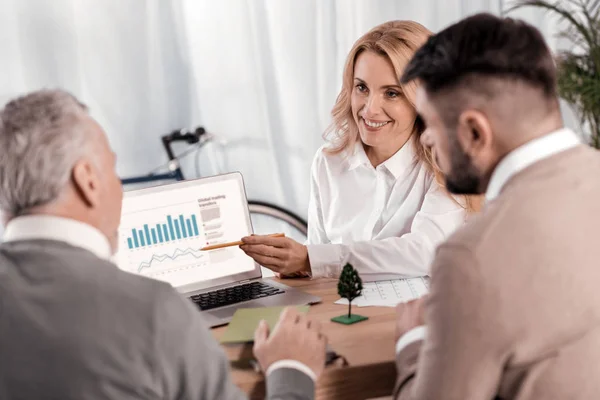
x=307, y=261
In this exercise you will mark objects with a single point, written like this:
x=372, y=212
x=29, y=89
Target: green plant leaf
x=554, y=7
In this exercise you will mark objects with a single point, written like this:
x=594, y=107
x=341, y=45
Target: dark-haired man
x=514, y=307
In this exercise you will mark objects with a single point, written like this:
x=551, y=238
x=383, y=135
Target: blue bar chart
x=172, y=229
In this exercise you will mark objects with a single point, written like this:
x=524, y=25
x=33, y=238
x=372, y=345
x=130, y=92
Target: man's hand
x=409, y=316
x=280, y=254
x=295, y=337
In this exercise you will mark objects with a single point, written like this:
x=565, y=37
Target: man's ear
x=86, y=182
x=474, y=132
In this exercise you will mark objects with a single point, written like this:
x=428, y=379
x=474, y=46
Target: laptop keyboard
x=233, y=295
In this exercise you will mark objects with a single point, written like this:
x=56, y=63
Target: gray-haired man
x=73, y=326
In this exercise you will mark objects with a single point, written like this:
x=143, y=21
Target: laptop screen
x=163, y=229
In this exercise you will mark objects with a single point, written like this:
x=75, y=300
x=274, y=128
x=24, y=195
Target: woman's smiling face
x=383, y=115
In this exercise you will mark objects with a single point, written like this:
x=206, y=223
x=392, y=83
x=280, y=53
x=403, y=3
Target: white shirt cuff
x=325, y=260
x=414, y=335
x=297, y=365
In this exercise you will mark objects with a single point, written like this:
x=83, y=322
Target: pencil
x=239, y=242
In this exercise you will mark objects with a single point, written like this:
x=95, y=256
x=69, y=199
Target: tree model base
x=354, y=318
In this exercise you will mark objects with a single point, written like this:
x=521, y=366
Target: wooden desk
x=368, y=346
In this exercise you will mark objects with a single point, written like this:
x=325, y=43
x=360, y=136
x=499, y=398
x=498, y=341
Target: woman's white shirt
x=384, y=220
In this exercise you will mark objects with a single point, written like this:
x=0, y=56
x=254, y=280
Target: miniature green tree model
x=349, y=287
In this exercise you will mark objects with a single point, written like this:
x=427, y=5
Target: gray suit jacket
x=514, y=306
x=73, y=326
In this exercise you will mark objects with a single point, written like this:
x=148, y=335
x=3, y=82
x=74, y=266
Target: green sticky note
x=245, y=321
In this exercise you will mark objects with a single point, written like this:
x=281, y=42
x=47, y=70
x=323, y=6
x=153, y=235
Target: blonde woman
x=377, y=199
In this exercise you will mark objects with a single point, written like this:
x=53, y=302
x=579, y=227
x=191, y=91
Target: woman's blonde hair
x=397, y=41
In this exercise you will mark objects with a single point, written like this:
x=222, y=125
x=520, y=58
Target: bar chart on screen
x=171, y=229
x=162, y=231
x=163, y=241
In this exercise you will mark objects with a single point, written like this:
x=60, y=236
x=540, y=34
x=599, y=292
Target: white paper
x=389, y=293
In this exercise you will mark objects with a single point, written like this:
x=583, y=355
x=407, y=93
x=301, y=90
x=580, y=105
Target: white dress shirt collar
x=397, y=164
x=70, y=231
x=528, y=154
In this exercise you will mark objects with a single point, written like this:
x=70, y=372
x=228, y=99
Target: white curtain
x=261, y=74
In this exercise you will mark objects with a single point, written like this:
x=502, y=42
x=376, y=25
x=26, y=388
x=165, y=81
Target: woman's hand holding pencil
x=278, y=253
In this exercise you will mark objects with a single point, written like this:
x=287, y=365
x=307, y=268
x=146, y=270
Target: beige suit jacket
x=514, y=307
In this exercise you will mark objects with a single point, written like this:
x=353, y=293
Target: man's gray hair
x=42, y=136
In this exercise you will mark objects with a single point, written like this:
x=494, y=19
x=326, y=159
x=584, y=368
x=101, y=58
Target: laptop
x=163, y=229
